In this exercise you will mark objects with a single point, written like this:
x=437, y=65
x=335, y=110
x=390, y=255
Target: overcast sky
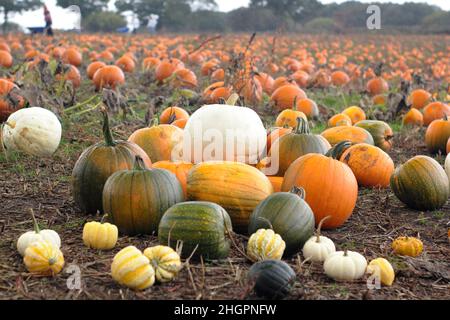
x=64, y=20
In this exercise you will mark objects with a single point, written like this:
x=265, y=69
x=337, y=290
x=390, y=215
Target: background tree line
x=260, y=15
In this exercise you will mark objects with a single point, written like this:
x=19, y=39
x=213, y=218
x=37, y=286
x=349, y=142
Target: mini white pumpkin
x=224, y=132
x=35, y=131
x=26, y=239
x=447, y=166
x=345, y=265
x=318, y=247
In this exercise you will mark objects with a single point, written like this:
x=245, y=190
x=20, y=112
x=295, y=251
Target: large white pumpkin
x=224, y=132
x=447, y=166
x=35, y=131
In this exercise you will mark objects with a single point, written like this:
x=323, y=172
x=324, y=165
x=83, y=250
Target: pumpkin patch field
x=234, y=166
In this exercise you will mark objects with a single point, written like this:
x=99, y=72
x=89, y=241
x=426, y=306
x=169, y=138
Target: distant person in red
x=48, y=21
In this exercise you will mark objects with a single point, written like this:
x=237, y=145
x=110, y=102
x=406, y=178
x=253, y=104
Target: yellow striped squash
x=44, y=258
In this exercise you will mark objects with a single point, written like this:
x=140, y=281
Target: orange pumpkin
x=355, y=135
x=179, y=168
x=6, y=59
x=6, y=105
x=377, y=86
x=266, y=81
x=276, y=183
x=126, y=63
x=72, y=56
x=419, y=98
x=180, y=123
x=355, y=113
x=184, y=78
x=275, y=133
x=93, y=67
x=108, y=77
x=339, y=78
x=330, y=185
x=436, y=136
x=285, y=96
x=371, y=166
x=308, y=107
x=161, y=142
x=435, y=110
x=413, y=118
x=339, y=119
x=171, y=114
x=288, y=117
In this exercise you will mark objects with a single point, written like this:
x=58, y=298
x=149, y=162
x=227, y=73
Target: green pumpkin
x=288, y=214
x=380, y=131
x=271, y=279
x=97, y=163
x=136, y=199
x=289, y=147
x=421, y=183
x=200, y=224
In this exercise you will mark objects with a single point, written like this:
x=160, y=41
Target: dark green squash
x=421, y=183
x=288, y=214
x=201, y=223
x=271, y=279
x=136, y=199
x=97, y=163
x=289, y=147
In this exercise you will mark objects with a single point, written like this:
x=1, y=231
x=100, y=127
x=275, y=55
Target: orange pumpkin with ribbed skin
x=413, y=118
x=282, y=81
x=377, y=86
x=179, y=168
x=6, y=108
x=330, y=185
x=170, y=114
x=355, y=135
x=219, y=94
x=308, y=107
x=339, y=119
x=419, y=98
x=436, y=136
x=300, y=77
x=251, y=90
x=218, y=75
x=209, y=89
x=355, y=113
x=235, y=186
x=180, y=123
x=72, y=56
x=164, y=70
x=150, y=63
x=108, y=77
x=276, y=183
x=126, y=63
x=6, y=59
x=184, y=78
x=379, y=100
x=435, y=110
x=339, y=78
x=106, y=56
x=5, y=47
x=275, y=133
x=72, y=75
x=288, y=117
x=93, y=67
x=371, y=166
x=266, y=82
x=284, y=97
x=159, y=141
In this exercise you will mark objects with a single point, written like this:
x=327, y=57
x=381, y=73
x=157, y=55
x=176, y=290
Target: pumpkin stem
x=9, y=124
x=104, y=217
x=266, y=220
x=36, y=226
x=302, y=126
x=320, y=227
x=52, y=261
x=294, y=106
x=106, y=130
x=232, y=99
x=139, y=163
x=299, y=191
x=337, y=151
x=345, y=253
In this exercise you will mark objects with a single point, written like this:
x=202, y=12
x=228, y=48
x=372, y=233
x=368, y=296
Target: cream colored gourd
x=132, y=269
x=44, y=258
x=29, y=237
x=381, y=269
x=165, y=261
x=224, y=132
x=447, y=166
x=100, y=235
x=35, y=131
x=265, y=244
x=345, y=265
x=318, y=247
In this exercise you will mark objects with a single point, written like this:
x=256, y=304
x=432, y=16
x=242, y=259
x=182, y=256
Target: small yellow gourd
x=99, y=235
x=165, y=261
x=132, y=269
x=44, y=258
x=265, y=244
x=407, y=246
x=382, y=268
